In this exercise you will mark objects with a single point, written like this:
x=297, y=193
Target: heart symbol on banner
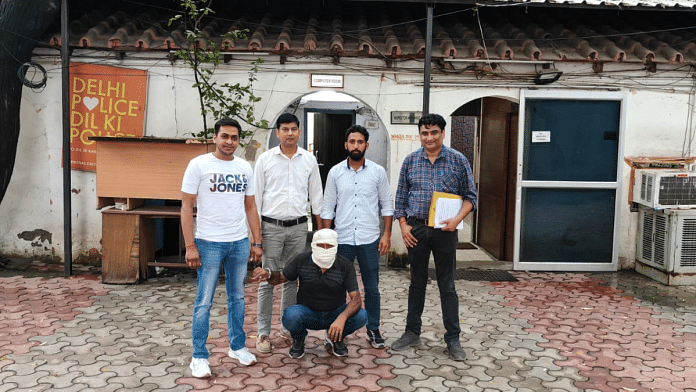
x=91, y=103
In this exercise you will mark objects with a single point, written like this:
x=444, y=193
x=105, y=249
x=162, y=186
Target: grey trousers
x=280, y=245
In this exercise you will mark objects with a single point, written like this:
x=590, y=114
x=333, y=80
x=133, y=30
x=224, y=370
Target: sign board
x=541, y=136
x=332, y=81
x=406, y=117
x=104, y=101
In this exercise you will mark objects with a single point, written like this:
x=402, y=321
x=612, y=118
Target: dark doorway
x=497, y=177
x=329, y=127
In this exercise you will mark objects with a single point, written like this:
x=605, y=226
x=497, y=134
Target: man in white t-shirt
x=221, y=186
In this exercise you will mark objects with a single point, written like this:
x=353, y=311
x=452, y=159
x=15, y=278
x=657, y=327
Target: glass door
x=568, y=187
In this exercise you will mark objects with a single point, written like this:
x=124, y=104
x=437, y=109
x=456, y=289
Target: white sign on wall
x=332, y=81
x=371, y=124
x=541, y=136
x=399, y=117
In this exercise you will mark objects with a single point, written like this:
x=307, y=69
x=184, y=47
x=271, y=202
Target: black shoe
x=338, y=348
x=408, y=339
x=297, y=348
x=455, y=351
x=374, y=337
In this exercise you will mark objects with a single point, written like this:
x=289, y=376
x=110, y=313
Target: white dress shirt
x=285, y=185
x=356, y=198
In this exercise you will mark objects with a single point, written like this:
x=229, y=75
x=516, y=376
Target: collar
x=361, y=167
x=424, y=155
x=276, y=150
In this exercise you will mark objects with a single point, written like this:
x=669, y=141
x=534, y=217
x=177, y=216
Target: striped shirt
x=419, y=178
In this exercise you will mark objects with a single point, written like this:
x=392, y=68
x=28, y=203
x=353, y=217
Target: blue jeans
x=443, y=245
x=233, y=256
x=368, y=260
x=299, y=318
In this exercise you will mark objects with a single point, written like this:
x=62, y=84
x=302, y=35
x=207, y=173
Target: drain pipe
x=67, y=163
x=427, y=65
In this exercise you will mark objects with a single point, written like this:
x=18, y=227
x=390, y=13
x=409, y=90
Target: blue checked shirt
x=356, y=199
x=419, y=178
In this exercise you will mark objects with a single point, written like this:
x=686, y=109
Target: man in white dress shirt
x=356, y=194
x=288, y=182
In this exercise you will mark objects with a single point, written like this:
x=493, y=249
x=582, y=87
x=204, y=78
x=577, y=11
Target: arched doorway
x=325, y=116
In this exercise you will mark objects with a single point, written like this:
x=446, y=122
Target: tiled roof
x=618, y=4
x=397, y=30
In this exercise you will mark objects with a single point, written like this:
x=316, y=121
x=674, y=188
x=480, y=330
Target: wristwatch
x=258, y=245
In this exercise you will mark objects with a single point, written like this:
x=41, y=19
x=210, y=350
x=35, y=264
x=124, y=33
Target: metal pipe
x=427, y=65
x=67, y=194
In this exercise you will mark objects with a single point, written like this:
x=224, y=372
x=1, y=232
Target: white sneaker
x=199, y=367
x=243, y=356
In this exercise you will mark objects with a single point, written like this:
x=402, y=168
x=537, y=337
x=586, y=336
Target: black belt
x=413, y=219
x=285, y=223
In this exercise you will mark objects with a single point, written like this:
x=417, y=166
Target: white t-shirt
x=220, y=187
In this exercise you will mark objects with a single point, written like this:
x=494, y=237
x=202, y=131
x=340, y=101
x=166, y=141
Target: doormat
x=466, y=245
x=477, y=275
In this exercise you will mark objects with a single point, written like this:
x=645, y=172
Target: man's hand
x=193, y=258
x=259, y=275
x=255, y=254
x=450, y=224
x=335, y=331
x=409, y=240
x=384, y=244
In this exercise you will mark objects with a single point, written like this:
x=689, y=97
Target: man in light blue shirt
x=356, y=193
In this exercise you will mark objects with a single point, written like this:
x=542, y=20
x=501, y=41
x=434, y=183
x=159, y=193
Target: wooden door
x=494, y=167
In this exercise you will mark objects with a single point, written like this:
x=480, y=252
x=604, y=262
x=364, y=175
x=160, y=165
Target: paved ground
x=546, y=332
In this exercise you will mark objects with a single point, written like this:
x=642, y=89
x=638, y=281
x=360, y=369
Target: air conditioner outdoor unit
x=660, y=189
x=666, y=246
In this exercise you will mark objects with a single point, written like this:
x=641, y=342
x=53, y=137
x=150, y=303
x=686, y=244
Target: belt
x=285, y=223
x=413, y=219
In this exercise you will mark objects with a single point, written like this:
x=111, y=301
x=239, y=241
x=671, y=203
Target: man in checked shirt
x=433, y=167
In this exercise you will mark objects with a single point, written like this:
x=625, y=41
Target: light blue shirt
x=355, y=200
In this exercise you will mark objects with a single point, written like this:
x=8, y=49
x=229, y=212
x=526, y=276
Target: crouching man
x=324, y=278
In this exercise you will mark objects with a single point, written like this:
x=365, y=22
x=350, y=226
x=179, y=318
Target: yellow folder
x=433, y=203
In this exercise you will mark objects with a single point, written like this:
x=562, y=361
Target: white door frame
x=617, y=185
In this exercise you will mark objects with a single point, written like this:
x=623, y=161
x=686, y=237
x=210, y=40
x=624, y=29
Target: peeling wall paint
x=36, y=237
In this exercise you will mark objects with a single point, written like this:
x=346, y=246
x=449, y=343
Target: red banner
x=104, y=101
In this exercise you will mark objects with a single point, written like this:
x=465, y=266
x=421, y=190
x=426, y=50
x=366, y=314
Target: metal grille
x=647, y=244
x=660, y=239
x=676, y=190
x=478, y=275
x=646, y=188
x=688, y=248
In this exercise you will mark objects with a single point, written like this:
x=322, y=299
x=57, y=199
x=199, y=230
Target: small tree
x=204, y=56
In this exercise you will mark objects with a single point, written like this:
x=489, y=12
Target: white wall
x=655, y=126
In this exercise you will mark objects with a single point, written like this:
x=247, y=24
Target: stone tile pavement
x=547, y=332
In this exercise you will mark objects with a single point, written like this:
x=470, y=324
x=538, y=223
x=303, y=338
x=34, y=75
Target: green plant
x=204, y=56
x=397, y=260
